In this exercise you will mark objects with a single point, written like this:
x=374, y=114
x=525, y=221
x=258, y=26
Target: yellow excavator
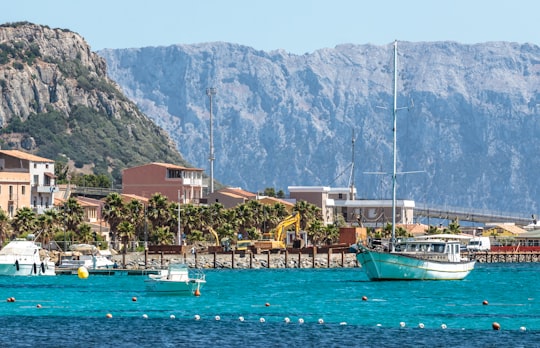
x=275, y=240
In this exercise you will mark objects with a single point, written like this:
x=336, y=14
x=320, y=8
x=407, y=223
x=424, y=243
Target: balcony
x=46, y=189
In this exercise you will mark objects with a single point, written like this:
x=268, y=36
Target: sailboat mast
x=392, y=242
x=351, y=178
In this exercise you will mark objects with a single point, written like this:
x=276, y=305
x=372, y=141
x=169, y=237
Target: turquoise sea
x=338, y=307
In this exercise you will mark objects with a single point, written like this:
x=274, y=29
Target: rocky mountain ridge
x=58, y=102
x=471, y=119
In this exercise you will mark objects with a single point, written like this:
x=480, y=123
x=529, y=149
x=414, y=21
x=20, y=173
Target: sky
x=296, y=26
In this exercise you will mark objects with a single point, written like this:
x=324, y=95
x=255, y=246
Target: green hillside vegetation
x=108, y=138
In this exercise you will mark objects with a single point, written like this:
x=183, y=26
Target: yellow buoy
x=82, y=272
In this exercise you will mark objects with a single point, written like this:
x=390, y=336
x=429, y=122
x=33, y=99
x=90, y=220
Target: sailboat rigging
x=414, y=259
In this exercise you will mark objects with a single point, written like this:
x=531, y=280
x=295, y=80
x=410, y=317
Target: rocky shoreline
x=136, y=260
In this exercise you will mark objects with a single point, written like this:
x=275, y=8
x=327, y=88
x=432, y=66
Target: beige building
x=336, y=202
x=26, y=180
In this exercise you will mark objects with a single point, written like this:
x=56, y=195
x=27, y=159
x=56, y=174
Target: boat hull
x=394, y=266
x=173, y=287
x=27, y=269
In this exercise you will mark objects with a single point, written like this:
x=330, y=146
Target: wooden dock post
x=250, y=260
x=314, y=254
x=300, y=258
x=215, y=260
x=328, y=257
x=286, y=258
x=232, y=259
x=268, y=258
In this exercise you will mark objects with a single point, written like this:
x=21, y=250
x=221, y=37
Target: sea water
x=276, y=308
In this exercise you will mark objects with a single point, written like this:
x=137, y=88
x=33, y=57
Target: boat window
x=438, y=248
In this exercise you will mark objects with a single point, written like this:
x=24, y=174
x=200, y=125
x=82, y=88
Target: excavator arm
x=281, y=229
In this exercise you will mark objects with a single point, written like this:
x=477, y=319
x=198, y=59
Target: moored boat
x=416, y=259
x=177, y=279
x=25, y=257
x=85, y=255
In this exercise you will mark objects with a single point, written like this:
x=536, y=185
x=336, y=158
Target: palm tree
x=163, y=236
x=85, y=233
x=113, y=212
x=48, y=224
x=158, y=210
x=432, y=230
x=135, y=214
x=453, y=227
x=4, y=226
x=126, y=231
x=309, y=213
x=25, y=221
x=72, y=214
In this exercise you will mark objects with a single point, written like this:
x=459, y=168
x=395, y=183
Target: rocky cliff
x=58, y=102
x=471, y=120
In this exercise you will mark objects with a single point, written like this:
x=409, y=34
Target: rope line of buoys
x=495, y=325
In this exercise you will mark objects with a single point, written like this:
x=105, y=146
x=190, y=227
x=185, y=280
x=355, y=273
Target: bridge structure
x=424, y=211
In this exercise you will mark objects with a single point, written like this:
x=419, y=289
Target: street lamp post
x=210, y=92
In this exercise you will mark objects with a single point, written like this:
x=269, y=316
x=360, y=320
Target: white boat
x=85, y=255
x=416, y=259
x=177, y=279
x=24, y=257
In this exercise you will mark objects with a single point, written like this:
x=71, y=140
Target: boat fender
x=35, y=268
x=17, y=264
x=42, y=267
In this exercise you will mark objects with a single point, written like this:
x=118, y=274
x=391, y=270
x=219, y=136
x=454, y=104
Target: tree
x=72, y=215
x=25, y=220
x=113, y=212
x=4, y=226
x=48, y=223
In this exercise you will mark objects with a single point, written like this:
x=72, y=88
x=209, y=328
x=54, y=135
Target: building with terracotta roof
x=175, y=182
x=26, y=180
x=230, y=197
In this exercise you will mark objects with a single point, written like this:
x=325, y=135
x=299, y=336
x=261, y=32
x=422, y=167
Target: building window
x=36, y=180
x=35, y=165
x=23, y=190
x=10, y=192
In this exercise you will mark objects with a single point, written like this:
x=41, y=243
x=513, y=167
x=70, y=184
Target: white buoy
x=241, y=318
x=379, y=325
x=217, y=317
x=287, y=320
x=197, y=317
x=421, y=325
x=320, y=321
x=300, y=321
x=402, y=324
x=172, y=316
x=522, y=328
x=262, y=320
x=343, y=323
x=443, y=326
x=145, y=316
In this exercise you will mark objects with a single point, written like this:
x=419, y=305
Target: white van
x=479, y=244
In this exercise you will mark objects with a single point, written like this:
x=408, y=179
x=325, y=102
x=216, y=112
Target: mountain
x=471, y=120
x=57, y=102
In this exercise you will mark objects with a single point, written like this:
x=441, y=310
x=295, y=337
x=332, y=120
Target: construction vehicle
x=275, y=240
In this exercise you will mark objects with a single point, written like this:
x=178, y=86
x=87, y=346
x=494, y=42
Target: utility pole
x=210, y=92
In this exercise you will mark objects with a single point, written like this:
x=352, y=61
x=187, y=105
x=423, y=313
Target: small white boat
x=24, y=257
x=85, y=255
x=177, y=279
